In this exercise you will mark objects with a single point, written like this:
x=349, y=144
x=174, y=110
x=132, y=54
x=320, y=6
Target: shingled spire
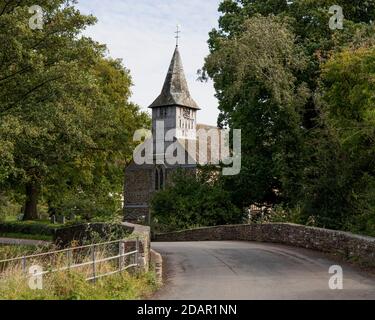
x=175, y=90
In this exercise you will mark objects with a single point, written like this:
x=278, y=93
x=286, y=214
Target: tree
x=66, y=120
x=288, y=141
x=340, y=185
x=258, y=93
x=94, y=183
x=195, y=201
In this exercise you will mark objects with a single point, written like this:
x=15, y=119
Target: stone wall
x=137, y=193
x=354, y=248
x=138, y=184
x=143, y=233
x=157, y=262
x=85, y=233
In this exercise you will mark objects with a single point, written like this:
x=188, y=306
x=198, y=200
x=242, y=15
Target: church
x=174, y=112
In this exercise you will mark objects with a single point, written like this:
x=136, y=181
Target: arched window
x=157, y=180
x=161, y=179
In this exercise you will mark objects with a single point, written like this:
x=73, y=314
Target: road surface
x=23, y=242
x=254, y=271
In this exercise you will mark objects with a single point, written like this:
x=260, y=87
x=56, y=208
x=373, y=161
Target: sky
x=142, y=33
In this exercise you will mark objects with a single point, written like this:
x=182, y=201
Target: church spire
x=175, y=90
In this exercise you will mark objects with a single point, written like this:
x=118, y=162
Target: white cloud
x=141, y=32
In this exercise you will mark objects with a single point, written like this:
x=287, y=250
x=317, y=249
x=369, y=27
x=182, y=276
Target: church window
x=157, y=179
x=163, y=112
x=161, y=179
x=187, y=113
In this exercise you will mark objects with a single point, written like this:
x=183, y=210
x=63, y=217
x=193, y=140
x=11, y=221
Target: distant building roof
x=206, y=127
x=175, y=90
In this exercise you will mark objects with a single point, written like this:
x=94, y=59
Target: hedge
x=29, y=227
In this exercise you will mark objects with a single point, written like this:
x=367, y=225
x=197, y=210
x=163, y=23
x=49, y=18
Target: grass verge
x=70, y=285
x=13, y=251
x=73, y=286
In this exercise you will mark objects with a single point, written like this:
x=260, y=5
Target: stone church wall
x=138, y=192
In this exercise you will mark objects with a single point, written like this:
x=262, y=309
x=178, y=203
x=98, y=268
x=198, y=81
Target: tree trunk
x=31, y=204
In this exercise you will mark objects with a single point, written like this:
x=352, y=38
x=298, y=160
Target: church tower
x=174, y=107
x=176, y=112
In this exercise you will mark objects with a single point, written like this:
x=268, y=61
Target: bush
x=8, y=207
x=27, y=227
x=91, y=233
x=194, y=201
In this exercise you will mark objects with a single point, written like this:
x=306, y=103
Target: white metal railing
x=92, y=251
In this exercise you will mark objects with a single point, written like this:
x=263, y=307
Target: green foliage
x=72, y=286
x=66, y=122
x=13, y=251
x=259, y=94
x=28, y=227
x=9, y=208
x=90, y=206
x=26, y=236
x=89, y=233
x=340, y=182
x=303, y=96
x=195, y=201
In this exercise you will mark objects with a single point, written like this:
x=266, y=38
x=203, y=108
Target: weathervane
x=177, y=34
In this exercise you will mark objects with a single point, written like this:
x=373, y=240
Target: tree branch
x=23, y=98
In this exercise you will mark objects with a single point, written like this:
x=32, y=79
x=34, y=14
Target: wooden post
x=69, y=256
x=93, y=264
x=24, y=265
x=121, y=252
x=137, y=252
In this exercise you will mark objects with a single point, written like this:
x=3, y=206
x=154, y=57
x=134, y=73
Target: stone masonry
x=347, y=246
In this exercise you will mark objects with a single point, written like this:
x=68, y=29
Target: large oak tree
x=66, y=123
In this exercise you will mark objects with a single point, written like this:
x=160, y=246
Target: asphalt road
x=23, y=242
x=254, y=271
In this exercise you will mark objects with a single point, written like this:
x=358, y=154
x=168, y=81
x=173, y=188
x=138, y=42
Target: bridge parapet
x=350, y=247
